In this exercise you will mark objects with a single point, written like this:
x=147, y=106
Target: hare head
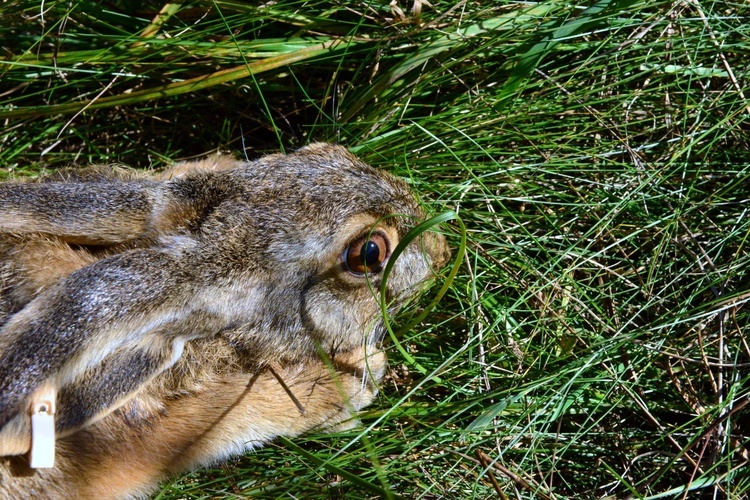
x=308, y=242
x=104, y=279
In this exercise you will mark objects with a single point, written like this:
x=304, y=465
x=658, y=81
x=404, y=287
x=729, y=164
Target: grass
x=595, y=341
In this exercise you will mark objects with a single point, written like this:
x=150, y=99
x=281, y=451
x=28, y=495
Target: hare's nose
x=438, y=249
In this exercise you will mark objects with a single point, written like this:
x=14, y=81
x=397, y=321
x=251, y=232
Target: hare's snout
x=438, y=250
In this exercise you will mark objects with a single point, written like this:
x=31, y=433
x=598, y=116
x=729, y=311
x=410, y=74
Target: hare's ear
x=113, y=212
x=96, y=338
x=88, y=213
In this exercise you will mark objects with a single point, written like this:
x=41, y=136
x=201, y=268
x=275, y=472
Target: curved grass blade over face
x=412, y=235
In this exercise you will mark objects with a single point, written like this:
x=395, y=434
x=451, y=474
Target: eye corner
x=367, y=253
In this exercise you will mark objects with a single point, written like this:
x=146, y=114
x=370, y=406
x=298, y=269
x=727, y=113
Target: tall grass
x=595, y=343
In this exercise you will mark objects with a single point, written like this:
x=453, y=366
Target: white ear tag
x=43, y=429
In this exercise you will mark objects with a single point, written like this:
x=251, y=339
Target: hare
x=172, y=321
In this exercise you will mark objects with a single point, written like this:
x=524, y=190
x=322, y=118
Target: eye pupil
x=370, y=254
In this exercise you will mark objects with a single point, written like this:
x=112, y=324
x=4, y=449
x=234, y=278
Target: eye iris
x=366, y=255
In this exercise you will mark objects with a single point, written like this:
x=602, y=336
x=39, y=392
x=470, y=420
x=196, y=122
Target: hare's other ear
x=110, y=213
x=86, y=213
x=96, y=337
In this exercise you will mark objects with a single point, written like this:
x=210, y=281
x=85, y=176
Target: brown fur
x=241, y=262
x=121, y=457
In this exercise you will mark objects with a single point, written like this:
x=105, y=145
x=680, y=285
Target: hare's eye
x=366, y=254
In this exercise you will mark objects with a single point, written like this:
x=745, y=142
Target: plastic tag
x=43, y=430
